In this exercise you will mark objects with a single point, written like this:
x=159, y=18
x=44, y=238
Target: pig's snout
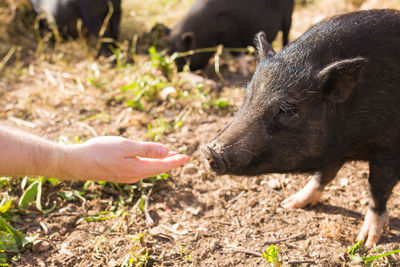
x=214, y=160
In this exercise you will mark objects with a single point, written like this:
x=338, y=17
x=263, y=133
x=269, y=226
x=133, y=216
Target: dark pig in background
x=64, y=13
x=232, y=23
x=331, y=96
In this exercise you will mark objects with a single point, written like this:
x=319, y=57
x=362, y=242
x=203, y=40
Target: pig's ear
x=264, y=49
x=338, y=79
x=188, y=39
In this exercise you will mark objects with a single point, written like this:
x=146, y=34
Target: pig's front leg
x=383, y=177
x=373, y=227
x=243, y=65
x=312, y=192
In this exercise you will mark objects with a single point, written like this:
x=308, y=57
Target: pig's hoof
x=308, y=195
x=373, y=227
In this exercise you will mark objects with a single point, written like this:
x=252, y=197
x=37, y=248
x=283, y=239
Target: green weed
x=138, y=256
x=145, y=186
x=217, y=103
x=11, y=240
x=94, y=75
x=34, y=193
x=103, y=216
x=161, y=126
x=143, y=90
x=368, y=261
x=184, y=253
x=163, y=61
x=271, y=255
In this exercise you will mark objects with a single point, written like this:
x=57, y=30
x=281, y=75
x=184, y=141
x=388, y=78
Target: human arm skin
x=107, y=158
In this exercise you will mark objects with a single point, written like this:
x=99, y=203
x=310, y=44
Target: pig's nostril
x=226, y=162
x=217, y=163
x=214, y=165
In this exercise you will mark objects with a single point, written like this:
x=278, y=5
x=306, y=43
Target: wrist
x=64, y=163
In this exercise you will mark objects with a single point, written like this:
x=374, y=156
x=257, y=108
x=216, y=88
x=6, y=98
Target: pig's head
x=290, y=117
x=185, y=37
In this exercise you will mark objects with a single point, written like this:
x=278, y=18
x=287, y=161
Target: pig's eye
x=286, y=113
x=282, y=119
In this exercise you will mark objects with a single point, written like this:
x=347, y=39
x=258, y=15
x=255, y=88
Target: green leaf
x=153, y=54
x=271, y=255
x=5, y=206
x=178, y=125
x=354, y=248
x=8, y=242
x=101, y=216
x=372, y=258
x=39, y=198
x=4, y=181
x=29, y=195
x=222, y=103
x=156, y=178
x=10, y=234
x=3, y=258
x=53, y=181
x=71, y=195
x=130, y=86
x=24, y=182
x=86, y=185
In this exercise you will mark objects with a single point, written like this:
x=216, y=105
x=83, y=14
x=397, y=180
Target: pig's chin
x=258, y=166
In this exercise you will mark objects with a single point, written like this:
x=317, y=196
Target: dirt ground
x=199, y=219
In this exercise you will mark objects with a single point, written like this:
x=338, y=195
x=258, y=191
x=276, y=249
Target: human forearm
x=25, y=154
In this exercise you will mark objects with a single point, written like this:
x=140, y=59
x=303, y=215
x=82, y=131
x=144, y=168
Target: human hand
x=117, y=159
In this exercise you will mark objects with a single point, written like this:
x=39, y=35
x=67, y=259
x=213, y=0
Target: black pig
x=331, y=96
x=232, y=23
x=92, y=13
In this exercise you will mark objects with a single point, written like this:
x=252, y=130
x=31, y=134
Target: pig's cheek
x=373, y=227
x=307, y=195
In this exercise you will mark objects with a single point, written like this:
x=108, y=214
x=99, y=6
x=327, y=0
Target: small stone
x=190, y=169
x=344, y=182
x=40, y=246
x=202, y=231
x=253, y=202
x=214, y=245
x=63, y=231
x=274, y=183
x=167, y=91
x=194, y=210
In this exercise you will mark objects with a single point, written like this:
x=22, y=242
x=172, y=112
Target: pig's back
x=248, y=17
x=374, y=34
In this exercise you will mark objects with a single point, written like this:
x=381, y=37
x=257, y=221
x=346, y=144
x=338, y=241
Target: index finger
x=150, y=167
x=146, y=149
